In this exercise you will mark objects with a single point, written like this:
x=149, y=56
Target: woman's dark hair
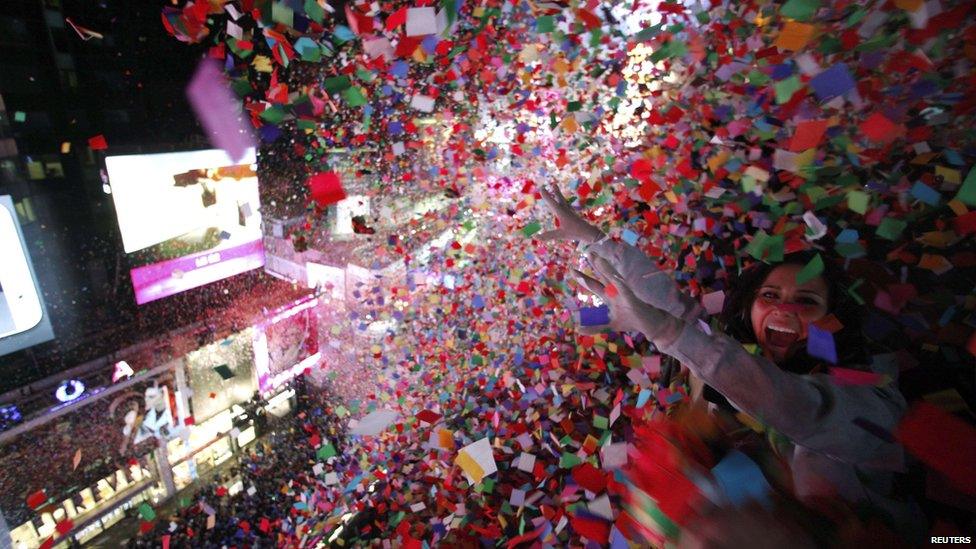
x=849, y=341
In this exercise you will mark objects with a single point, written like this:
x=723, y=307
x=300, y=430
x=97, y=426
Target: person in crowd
x=835, y=436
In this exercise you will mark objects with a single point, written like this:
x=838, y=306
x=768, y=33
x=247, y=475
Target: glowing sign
x=70, y=389
x=122, y=370
x=23, y=319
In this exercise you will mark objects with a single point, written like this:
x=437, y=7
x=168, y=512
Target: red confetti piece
x=846, y=376
x=326, y=188
x=64, y=526
x=591, y=528
x=428, y=417
x=878, y=128
x=808, y=135
x=943, y=441
x=590, y=478
x=36, y=499
x=97, y=143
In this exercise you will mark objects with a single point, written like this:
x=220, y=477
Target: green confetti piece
x=849, y=249
x=326, y=451
x=852, y=291
x=757, y=245
x=758, y=78
x=280, y=13
x=601, y=422
x=775, y=248
x=857, y=201
x=241, y=86
x=20, y=116
x=314, y=11
x=337, y=84
x=568, y=460
x=891, y=228
x=354, y=97
x=544, y=24
x=811, y=270
x=146, y=512
x=967, y=193
x=364, y=75
x=801, y=10
x=573, y=106
x=531, y=228
x=786, y=88
x=273, y=114
x=312, y=55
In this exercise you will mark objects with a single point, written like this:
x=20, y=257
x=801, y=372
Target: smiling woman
x=766, y=306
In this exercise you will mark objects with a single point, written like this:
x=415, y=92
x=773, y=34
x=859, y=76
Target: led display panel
x=187, y=219
x=24, y=320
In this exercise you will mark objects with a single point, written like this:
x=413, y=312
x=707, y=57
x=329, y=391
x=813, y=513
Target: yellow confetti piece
x=958, y=207
x=948, y=175
x=750, y=422
x=470, y=467
x=262, y=63
x=570, y=125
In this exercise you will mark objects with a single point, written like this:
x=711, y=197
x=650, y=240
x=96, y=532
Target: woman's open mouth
x=781, y=336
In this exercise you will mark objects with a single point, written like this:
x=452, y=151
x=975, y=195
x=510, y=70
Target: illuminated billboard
x=286, y=344
x=221, y=375
x=24, y=320
x=187, y=219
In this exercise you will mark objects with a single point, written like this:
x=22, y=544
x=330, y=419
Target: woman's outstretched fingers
x=594, y=286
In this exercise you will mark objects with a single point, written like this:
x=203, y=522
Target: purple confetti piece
x=218, y=111
x=594, y=316
x=832, y=82
x=820, y=344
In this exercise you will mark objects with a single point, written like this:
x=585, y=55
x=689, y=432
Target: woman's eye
x=807, y=301
x=769, y=295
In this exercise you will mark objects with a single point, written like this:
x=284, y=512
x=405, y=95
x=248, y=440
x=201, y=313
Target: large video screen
x=24, y=320
x=286, y=344
x=221, y=374
x=187, y=219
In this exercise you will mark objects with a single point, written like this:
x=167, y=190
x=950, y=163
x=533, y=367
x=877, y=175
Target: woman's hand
x=651, y=285
x=628, y=313
x=571, y=225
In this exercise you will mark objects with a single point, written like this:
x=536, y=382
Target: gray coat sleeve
x=650, y=284
x=812, y=410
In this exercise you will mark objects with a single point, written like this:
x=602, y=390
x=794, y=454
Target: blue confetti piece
x=478, y=302
x=643, y=397
x=926, y=194
x=953, y=157
x=832, y=82
x=741, y=480
x=820, y=344
x=342, y=34
x=629, y=236
x=848, y=236
x=594, y=316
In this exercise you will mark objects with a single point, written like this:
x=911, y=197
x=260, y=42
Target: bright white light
x=70, y=389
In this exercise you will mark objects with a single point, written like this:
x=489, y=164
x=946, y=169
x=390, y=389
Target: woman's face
x=783, y=309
